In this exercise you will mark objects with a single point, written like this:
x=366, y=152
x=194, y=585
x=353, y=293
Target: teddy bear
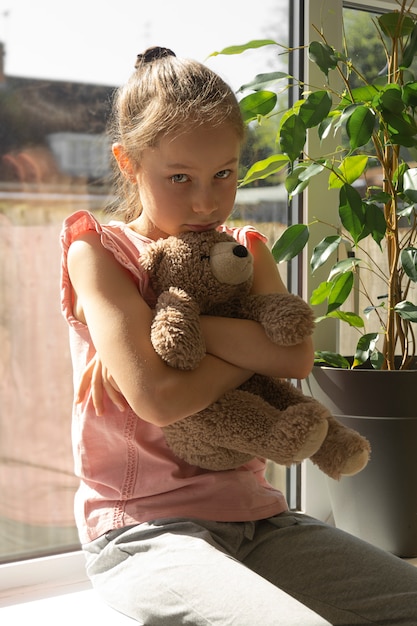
x=210, y=273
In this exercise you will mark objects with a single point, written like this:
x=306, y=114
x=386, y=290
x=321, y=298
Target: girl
x=166, y=542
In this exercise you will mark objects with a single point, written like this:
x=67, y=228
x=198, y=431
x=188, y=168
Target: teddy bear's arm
x=175, y=332
x=286, y=318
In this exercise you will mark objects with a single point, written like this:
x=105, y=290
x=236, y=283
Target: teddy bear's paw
x=286, y=318
x=180, y=350
x=313, y=442
x=342, y=463
x=355, y=464
x=344, y=451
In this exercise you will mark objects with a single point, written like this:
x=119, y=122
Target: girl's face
x=188, y=181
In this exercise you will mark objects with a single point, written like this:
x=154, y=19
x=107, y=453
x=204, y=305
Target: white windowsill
x=53, y=589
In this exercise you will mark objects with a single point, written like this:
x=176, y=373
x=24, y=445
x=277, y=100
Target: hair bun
x=153, y=54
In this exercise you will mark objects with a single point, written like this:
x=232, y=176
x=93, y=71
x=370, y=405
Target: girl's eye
x=179, y=178
x=223, y=174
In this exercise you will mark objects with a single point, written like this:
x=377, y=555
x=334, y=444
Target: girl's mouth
x=199, y=228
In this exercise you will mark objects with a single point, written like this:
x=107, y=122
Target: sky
x=97, y=41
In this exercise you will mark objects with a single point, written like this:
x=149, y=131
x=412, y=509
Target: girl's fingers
x=98, y=378
x=113, y=391
x=85, y=381
x=97, y=387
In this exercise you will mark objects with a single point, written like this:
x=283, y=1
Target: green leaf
x=350, y=169
x=264, y=168
x=408, y=212
x=365, y=93
x=395, y=24
x=326, y=126
x=298, y=179
x=400, y=124
x=407, y=311
x=378, y=195
x=409, y=263
x=295, y=183
x=321, y=293
x=407, y=140
x=375, y=222
x=323, y=250
x=410, y=49
x=350, y=318
x=360, y=126
x=315, y=108
x=377, y=359
x=323, y=56
x=342, y=286
x=371, y=308
x=291, y=243
x=345, y=265
x=313, y=169
x=292, y=137
x=365, y=346
x=398, y=175
x=352, y=211
x=410, y=94
x=265, y=80
x=294, y=110
x=331, y=358
x=258, y=103
x=390, y=99
x=255, y=43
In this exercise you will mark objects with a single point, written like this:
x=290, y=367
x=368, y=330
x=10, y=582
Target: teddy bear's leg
x=300, y=411
x=278, y=392
x=246, y=423
x=185, y=440
x=344, y=452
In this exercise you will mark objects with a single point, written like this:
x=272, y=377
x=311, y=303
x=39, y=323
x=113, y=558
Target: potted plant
x=374, y=176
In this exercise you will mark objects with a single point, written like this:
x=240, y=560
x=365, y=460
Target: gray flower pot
x=380, y=503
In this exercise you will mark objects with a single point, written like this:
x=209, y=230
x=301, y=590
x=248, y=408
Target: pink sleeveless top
x=127, y=472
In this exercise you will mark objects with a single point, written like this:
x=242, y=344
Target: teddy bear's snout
x=231, y=263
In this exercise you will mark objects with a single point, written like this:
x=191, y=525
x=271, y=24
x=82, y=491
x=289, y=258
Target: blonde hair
x=164, y=95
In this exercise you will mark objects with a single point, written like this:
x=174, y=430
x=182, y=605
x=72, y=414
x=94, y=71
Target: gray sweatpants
x=288, y=570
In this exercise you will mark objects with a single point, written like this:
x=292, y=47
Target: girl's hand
x=98, y=377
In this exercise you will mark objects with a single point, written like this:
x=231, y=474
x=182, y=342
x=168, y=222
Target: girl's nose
x=204, y=201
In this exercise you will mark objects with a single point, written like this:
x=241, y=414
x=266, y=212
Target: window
x=57, y=75
x=35, y=370
x=329, y=15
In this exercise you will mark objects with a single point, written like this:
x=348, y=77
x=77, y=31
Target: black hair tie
x=153, y=54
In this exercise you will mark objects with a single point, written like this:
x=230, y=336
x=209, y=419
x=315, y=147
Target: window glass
x=58, y=70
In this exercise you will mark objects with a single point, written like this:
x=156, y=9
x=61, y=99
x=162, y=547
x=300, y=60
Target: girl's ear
x=123, y=161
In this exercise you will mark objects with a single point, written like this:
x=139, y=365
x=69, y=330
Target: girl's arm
x=244, y=342
x=119, y=321
x=97, y=376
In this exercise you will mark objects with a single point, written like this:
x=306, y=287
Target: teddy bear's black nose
x=240, y=251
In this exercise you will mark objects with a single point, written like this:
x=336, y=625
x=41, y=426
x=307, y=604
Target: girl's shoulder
x=81, y=222
x=125, y=244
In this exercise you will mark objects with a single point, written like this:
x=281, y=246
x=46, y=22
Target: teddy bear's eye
x=205, y=257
